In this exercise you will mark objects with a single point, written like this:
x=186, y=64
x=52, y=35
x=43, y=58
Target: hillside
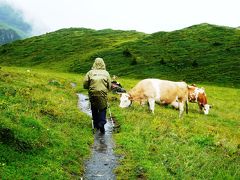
x=43, y=135
x=61, y=49
x=200, y=53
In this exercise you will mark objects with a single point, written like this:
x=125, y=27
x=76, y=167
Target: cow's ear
x=129, y=97
x=189, y=86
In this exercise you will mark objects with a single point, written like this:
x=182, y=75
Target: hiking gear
x=93, y=126
x=99, y=117
x=110, y=114
x=97, y=79
x=102, y=130
x=98, y=83
x=98, y=102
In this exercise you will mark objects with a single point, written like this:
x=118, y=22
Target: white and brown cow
x=159, y=91
x=198, y=95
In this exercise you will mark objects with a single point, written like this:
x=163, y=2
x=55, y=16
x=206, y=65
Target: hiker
x=98, y=83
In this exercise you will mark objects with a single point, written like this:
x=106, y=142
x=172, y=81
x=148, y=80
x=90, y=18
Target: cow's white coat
x=156, y=90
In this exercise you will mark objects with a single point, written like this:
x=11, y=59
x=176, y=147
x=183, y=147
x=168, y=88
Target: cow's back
x=161, y=90
x=170, y=91
x=144, y=89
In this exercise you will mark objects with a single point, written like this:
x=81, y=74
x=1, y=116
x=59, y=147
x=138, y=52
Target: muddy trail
x=103, y=161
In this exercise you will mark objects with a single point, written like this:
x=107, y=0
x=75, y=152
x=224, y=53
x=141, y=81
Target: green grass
x=43, y=135
x=162, y=146
x=200, y=53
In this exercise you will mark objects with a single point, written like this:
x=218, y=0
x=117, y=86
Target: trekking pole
x=92, y=126
x=91, y=115
x=110, y=114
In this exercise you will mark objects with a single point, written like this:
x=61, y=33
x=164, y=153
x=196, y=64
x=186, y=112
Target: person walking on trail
x=98, y=83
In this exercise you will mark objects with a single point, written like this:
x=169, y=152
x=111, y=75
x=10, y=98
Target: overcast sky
x=141, y=15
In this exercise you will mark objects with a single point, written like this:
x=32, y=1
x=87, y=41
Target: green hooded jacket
x=98, y=83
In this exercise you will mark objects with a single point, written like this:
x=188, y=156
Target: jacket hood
x=99, y=64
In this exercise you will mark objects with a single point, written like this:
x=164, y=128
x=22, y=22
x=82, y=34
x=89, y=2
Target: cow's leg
x=175, y=104
x=200, y=107
x=151, y=102
x=142, y=102
x=181, y=109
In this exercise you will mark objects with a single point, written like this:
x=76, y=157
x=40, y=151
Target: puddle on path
x=103, y=160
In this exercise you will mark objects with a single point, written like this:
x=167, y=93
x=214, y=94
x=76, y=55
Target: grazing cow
x=198, y=95
x=159, y=91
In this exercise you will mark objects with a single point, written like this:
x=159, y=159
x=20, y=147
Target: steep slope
x=200, y=53
x=62, y=49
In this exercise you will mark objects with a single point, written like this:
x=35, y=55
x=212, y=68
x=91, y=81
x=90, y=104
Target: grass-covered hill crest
x=200, y=53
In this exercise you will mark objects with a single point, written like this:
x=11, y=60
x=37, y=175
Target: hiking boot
x=102, y=130
x=96, y=127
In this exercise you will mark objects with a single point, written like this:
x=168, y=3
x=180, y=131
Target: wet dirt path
x=103, y=160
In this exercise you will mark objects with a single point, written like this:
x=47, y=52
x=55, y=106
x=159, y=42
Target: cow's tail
x=186, y=102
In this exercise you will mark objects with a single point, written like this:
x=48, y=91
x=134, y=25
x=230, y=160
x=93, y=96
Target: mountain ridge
x=12, y=24
x=199, y=53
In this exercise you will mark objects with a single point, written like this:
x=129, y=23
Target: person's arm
x=86, y=81
x=109, y=83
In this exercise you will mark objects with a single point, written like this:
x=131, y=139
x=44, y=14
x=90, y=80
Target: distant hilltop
x=8, y=35
x=199, y=53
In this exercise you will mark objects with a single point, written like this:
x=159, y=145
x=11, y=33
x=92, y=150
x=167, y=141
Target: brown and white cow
x=159, y=91
x=198, y=95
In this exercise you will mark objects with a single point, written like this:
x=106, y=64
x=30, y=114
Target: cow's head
x=125, y=100
x=206, y=108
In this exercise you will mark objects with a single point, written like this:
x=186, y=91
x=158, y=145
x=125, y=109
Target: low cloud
x=12, y=15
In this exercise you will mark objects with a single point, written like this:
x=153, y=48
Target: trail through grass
x=43, y=135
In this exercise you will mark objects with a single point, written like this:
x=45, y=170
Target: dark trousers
x=99, y=117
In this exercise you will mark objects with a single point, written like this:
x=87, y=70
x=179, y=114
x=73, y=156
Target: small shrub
x=127, y=53
x=134, y=61
x=194, y=63
x=217, y=44
x=54, y=83
x=162, y=61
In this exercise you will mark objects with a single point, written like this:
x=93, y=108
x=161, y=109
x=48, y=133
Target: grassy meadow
x=198, y=146
x=43, y=135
